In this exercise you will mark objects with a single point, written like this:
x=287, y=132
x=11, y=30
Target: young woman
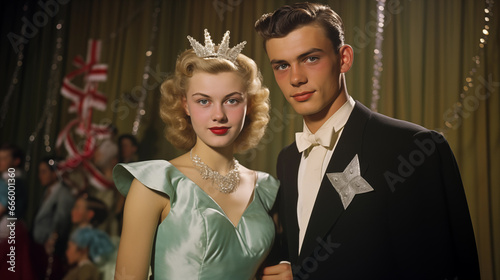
x=201, y=215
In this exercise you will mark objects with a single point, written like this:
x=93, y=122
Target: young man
x=362, y=196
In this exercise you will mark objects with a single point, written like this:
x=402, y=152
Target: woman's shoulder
x=261, y=178
x=146, y=164
x=266, y=187
x=266, y=179
x=154, y=174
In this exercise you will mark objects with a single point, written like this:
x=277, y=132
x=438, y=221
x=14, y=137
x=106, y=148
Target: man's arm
x=277, y=265
x=466, y=258
x=282, y=271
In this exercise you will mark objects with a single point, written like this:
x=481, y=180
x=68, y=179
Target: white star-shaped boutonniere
x=349, y=183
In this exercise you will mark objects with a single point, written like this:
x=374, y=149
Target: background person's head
x=127, y=146
x=47, y=171
x=11, y=156
x=88, y=210
x=88, y=244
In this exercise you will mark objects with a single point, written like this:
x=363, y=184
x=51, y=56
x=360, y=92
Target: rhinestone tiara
x=209, y=49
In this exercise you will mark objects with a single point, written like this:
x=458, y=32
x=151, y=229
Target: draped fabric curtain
x=434, y=74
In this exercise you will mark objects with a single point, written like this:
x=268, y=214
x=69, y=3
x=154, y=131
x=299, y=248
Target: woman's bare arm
x=142, y=213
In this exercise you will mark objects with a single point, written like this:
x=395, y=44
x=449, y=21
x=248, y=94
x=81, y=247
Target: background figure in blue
x=87, y=247
x=12, y=156
x=384, y=198
x=52, y=222
x=13, y=203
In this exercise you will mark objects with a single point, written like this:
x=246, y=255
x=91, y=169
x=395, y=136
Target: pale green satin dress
x=197, y=240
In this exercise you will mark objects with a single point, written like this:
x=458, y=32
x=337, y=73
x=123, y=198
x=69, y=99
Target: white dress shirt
x=327, y=136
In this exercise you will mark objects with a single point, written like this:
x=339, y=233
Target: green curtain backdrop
x=429, y=49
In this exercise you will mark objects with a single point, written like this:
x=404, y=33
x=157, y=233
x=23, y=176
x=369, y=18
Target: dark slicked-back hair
x=15, y=152
x=98, y=206
x=286, y=19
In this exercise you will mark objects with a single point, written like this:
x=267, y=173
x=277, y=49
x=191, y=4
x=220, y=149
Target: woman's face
x=217, y=105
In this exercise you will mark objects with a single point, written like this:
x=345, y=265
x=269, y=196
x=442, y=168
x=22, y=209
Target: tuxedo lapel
x=290, y=201
x=328, y=206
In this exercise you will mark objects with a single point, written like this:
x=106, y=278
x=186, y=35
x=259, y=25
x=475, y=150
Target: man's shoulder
x=289, y=150
x=396, y=135
x=383, y=124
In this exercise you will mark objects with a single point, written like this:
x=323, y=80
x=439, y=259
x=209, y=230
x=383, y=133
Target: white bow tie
x=305, y=140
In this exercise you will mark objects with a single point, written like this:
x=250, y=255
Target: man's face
x=308, y=70
x=46, y=176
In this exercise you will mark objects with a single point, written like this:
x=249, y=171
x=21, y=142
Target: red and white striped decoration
x=83, y=101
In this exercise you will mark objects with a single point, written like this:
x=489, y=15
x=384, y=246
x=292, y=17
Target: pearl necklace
x=224, y=184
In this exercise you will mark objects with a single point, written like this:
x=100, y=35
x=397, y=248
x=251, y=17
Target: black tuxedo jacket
x=415, y=224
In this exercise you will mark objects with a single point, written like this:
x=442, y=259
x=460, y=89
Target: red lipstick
x=302, y=96
x=219, y=130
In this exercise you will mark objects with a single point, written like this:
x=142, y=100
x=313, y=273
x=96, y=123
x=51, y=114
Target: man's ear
x=184, y=104
x=346, y=55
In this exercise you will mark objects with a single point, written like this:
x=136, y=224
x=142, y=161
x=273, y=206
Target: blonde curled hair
x=179, y=131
